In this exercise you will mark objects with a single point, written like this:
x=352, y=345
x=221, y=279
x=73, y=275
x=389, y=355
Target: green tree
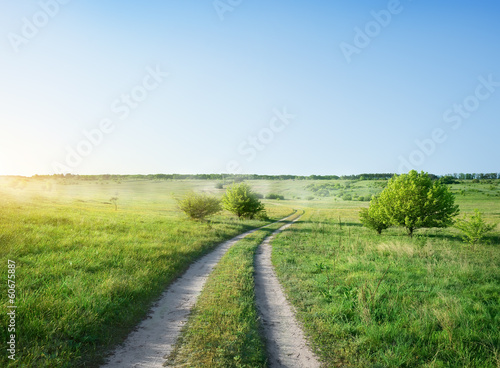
x=414, y=201
x=199, y=205
x=373, y=217
x=242, y=201
x=474, y=229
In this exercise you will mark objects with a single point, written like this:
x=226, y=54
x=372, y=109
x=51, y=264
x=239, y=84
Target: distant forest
x=449, y=178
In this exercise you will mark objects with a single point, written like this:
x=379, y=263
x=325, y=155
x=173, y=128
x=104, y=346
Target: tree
x=414, y=201
x=473, y=229
x=373, y=217
x=242, y=201
x=448, y=179
x=199, y=205
x=114, y=200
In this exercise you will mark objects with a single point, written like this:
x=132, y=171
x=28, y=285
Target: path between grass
x=155, y=337
x=285, y=341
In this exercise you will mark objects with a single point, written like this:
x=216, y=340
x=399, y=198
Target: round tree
x=242, y=201
x=414, y=201
x=199, y=205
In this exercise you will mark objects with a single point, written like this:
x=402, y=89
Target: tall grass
x=391, y=301
x=87, y=274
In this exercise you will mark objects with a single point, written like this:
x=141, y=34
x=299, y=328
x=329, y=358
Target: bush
x=242, y=201
x=347, y=197
x=199, y=205
x=219, y=185
x=262, y=215
x=473, y=229
x=414, y=201
x=448, y=180
x=275, y=196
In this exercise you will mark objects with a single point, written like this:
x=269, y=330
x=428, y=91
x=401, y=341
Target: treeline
x=220, y=177
x=242, y=177
x=479, y=176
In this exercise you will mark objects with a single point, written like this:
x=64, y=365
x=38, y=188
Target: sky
x=331, y=87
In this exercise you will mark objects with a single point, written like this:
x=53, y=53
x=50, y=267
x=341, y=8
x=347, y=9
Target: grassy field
x=87, y=273
x=391, y=301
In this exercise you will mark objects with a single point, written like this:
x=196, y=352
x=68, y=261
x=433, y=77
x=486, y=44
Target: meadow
x=87, y=273
x=369, y=300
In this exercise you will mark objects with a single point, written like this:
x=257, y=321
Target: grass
x=391, y=301
x=87, y=274
x=223, y=330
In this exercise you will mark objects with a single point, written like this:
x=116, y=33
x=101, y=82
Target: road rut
x=285, y=341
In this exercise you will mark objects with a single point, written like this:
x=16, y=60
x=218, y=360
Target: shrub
x=275, y=196
x=414, y=201
x=473, y=229
x=347, y=197
x=242, y=201
x=448, y=180
x=199, y=205
x=262, y=215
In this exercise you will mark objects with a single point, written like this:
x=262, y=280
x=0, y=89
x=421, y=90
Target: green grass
x=392, y=301
x=223, y=330
x=87, y=274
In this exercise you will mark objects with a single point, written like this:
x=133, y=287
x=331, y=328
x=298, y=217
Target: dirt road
x=155, y=337
x=285, y=341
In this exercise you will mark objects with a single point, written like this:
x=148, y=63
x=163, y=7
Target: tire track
x=285, y=341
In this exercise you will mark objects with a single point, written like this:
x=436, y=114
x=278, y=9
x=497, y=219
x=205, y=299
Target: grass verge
x=390, y=301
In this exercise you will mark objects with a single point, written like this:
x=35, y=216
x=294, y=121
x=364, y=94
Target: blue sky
x=282, y=87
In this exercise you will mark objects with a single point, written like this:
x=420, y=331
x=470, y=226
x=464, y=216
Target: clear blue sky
x=270, y=87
